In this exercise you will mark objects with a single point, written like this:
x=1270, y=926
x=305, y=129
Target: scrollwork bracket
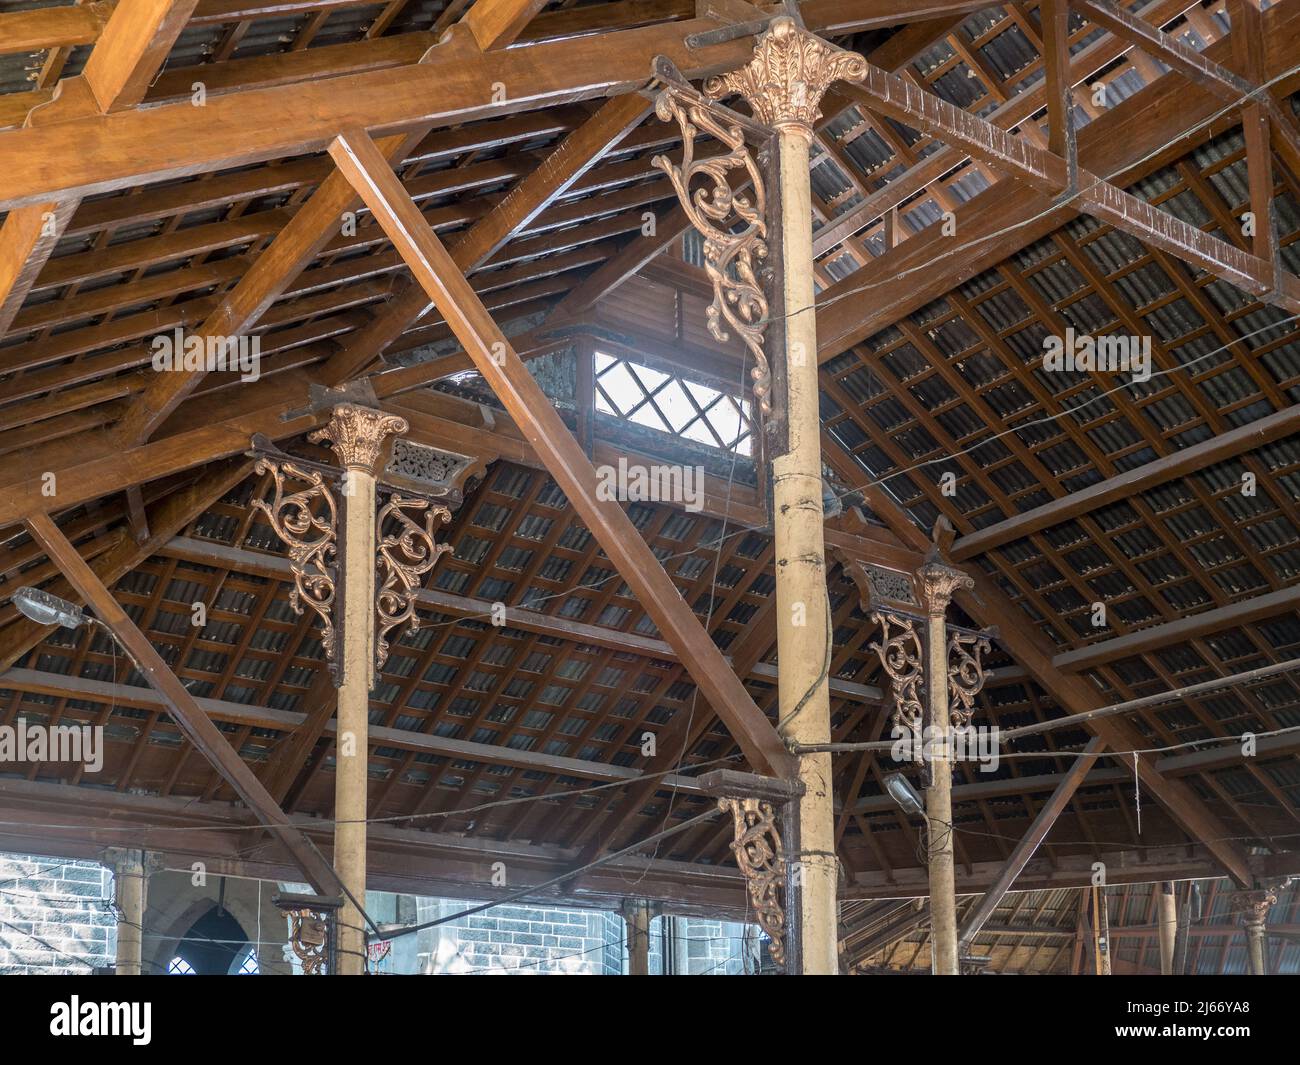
x=403, y=557
x=761, y=858
x=902, y=657
x=307, y=522
x=732, y=224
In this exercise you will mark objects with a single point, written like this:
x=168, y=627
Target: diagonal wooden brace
x=190, y=718
x=356, y=155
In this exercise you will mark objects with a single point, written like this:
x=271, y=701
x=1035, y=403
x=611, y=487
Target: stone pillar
x=637, y=914
x=783, y=84
x=357, y=435
x=1256, y=906
x=936, y=584
x=131, y=871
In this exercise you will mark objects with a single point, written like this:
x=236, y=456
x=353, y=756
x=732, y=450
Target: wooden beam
x=317, y=222
x=1179, y=463
x=165, y=519
x=52, y=27
x=188, y=715
x=27, y=238
x=132, y=48
x=558, y=173
x=1017, y=110
x=1016, y=861
x=276, y=567
x=452, y=86
x=266, y=717
x=1146, y=866
x=1045, y=172
x=1189, y=627
x=496, y=23
x=577, y=153
x=69, y=821
x=1232, y=87
x=1055, y=18
x=1123, y=144
x=356, y=156
x=672, y=744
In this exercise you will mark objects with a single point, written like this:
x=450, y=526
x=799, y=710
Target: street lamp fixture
x=901, y=791
x=46, y=609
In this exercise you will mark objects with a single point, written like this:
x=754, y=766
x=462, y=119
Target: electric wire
x=554, y=881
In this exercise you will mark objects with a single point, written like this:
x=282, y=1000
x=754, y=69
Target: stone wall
x=55, y=915
x=505, y=939
x=67, y=905
x=519, y=939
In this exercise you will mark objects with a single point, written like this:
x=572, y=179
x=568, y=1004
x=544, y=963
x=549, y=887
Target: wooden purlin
x=175, y=140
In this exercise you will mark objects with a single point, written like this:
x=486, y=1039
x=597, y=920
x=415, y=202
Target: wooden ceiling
x=170, y=172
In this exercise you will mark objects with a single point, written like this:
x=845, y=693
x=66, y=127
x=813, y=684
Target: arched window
x=214, y=945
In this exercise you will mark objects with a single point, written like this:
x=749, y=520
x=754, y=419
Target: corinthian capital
x=938, y=583
x=357, y=435
x=790, y=72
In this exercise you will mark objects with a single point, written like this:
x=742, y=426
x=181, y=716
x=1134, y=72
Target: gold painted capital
x=789, y=73
x=938, y=583
x=357, y=435
x=1254, y=905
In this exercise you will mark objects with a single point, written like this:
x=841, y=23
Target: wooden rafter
x=133, y=46
x=174, y=140
x=1046, y=172
x=496, y=23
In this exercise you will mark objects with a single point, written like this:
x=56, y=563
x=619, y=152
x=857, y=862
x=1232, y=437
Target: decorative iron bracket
x=893, y=598
x=307, y=522
x=752, y=802
x=733, y=224
x=902, y=657
x=966, y=675
x=313, y=930
x=761, y=858
x=404, y=556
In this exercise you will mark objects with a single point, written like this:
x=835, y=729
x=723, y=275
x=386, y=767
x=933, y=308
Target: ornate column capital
x=789, y=73
x=357, y=435
x=938, y=583
x=1254, y=905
